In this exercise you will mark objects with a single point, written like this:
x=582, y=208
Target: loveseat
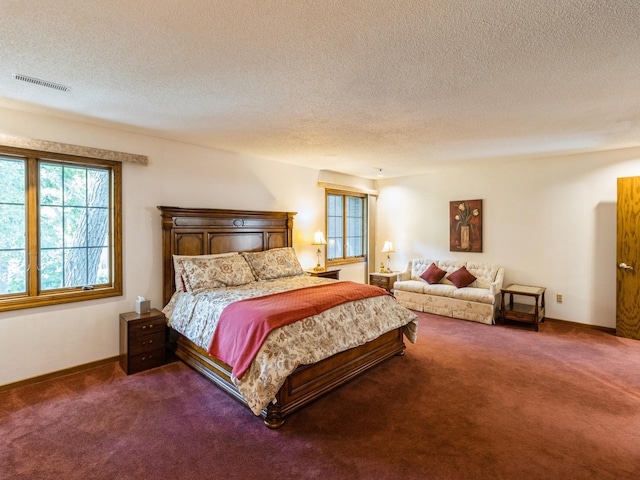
x=478, y=301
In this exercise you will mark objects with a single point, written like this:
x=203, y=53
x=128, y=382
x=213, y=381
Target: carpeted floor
x=468, y=401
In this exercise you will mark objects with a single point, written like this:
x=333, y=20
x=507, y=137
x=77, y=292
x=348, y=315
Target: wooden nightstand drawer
x=147, y=327
x=521, y=316
x=145, y=361
x=523, y=312
x=146, y=343
x=142, y=340
x=383, y=280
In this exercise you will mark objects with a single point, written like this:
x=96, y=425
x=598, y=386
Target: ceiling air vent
x=42, y=83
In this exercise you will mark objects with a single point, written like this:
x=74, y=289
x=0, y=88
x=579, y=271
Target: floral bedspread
x=305, y=342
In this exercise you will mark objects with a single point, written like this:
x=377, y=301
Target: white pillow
x=177, y=268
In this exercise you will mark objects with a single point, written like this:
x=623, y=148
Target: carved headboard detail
x=205, y=231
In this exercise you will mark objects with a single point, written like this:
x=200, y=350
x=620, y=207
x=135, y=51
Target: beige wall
x=43, y=340
x=548, y=221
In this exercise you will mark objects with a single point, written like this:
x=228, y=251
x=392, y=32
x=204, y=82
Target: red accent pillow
x=433, y=274
x=461, y=277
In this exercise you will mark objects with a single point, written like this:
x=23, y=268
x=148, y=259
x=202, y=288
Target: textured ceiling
x=345, y=85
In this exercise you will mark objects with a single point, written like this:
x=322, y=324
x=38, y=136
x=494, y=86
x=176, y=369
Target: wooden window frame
x=33, y=297
x=344, y=260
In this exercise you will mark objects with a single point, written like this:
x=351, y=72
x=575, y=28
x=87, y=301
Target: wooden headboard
x=205, y=231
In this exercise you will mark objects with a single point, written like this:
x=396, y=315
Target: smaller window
x=346, y=227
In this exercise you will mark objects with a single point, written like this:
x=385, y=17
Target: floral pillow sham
x=179, y=273
x=274, y=263
x=204, y=272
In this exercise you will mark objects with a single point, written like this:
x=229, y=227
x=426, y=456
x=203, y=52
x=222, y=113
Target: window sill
x=345, y=261
x=22, y=302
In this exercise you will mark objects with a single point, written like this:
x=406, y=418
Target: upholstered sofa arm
x=496, y=286
x=404, y=276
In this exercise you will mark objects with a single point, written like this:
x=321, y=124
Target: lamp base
x=318, y=268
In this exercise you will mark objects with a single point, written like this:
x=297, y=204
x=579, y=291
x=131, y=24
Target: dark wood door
x=627, y=255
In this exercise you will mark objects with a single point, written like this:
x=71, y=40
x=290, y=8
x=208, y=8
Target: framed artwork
x=465, y=226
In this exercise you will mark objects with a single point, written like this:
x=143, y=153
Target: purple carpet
x=469, y=401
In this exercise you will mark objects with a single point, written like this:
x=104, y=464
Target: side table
x=383, y=280
x=328, y=273
x=523, y=312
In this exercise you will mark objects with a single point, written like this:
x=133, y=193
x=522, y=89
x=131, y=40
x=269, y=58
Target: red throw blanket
x=244, y=325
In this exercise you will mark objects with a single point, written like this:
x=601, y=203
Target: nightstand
x=328, y=273
x=383, y=280
x=142, y=340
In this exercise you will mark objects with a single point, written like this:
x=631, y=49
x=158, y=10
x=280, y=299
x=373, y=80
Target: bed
x=192, y=235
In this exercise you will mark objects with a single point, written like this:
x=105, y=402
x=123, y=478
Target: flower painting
x=465, y=226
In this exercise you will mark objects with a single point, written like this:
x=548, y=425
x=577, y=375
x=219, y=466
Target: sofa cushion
x=439, y=289
x=414, y=286
x=485, y=273
x=420, y=286
x=461, y=277
x=433, y=274
x=472, y=294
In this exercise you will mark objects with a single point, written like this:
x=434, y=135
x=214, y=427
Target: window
x=60, y=228
x=346, y=227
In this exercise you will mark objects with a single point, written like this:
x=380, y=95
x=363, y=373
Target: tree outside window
x=12, y=226
x=61, y=229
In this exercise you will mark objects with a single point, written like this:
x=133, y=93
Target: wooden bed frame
x=199, y=231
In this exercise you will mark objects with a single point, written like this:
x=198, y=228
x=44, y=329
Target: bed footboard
x=307, y=383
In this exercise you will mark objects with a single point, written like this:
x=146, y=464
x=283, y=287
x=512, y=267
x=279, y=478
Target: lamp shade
x=388, y=247
x=318, y=239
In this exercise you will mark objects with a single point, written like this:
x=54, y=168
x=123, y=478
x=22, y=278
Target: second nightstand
x=328, y=273
x=383, y=280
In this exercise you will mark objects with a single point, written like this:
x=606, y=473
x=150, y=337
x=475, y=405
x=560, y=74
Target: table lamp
x=318, y=239
x=388, y=249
